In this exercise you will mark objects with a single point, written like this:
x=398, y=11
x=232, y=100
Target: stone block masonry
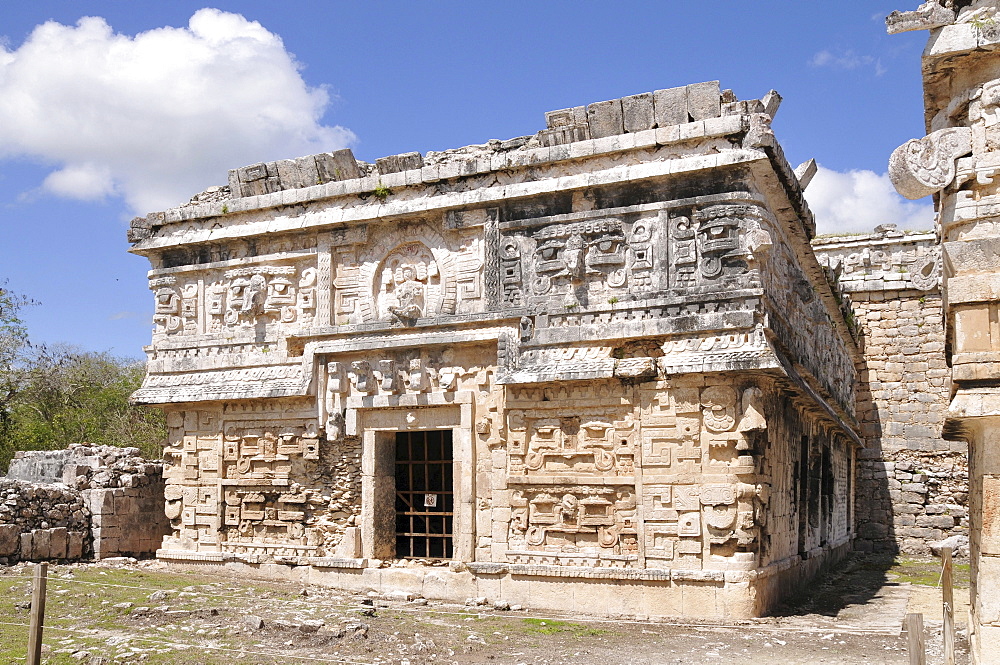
x=912, y=484
x=956, y=162
x=113, y=498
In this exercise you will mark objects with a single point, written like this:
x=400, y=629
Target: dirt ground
x=140, y=613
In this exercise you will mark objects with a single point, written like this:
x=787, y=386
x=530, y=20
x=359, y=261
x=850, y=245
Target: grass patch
x=926, y=572
x=553, y=627
x=89, y=609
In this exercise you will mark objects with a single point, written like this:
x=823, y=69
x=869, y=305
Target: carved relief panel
x=569, y=262
x=689, y=521
x=574, y=519
x=693, y=436
x=237, y=483
x=584, y=435
x=190, y=464
x=214, y=301
x=590, y=436
x=919, y=263
x=596, y=260
x=800, y=319
x=399, y=274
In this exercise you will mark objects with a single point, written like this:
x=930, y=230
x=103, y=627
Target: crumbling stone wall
x=39, y=522
x=119, y=495
x=912, y=484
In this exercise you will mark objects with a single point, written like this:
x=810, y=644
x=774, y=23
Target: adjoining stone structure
x=912, y=484
x=597, y=367
x=958, y=162
x=69, y=504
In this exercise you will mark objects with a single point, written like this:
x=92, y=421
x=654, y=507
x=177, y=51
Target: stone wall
x=39, y=522
x=956, y=162
x=912, y=484
x=117, y=500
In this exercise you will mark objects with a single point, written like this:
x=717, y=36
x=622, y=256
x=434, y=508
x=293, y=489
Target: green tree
x=13, y=346
x=52, y=396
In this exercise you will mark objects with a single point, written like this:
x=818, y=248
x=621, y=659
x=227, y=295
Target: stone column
x=958, y=162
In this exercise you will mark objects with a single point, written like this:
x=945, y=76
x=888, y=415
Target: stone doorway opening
x=425, y=497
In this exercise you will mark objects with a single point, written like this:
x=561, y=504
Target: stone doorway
x=425, y=498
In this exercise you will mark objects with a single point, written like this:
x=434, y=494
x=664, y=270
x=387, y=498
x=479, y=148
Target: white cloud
x=858, y=201
x=846, y=60
x=81, y=181
x=157, y=117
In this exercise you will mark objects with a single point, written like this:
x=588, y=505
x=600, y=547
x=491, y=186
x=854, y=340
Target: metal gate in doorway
x=424, y=495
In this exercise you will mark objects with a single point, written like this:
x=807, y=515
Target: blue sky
x=146, y=107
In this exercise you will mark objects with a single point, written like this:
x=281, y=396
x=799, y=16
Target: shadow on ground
x=856, y=580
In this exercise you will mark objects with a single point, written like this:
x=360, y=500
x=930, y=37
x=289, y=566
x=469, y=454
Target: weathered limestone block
x=10, y=539
x=397, y=163
x=100, y=501
x=296, y=173
x=670, y=107
x=41, y=544
x=989, y=539
x=27, y=548
x=704, y=100
x=337, y=165
x=58, y=543
x=637, y=111
x=76, y=541
x=605, y=118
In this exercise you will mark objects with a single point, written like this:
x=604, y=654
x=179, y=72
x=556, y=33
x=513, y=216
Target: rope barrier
x=185, y=645
x=585, y=620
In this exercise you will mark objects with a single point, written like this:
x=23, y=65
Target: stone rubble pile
x=210, y=195
x=105, y=467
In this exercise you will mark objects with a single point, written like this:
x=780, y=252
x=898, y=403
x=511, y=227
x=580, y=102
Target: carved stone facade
x=958, y=162
x=569, y=364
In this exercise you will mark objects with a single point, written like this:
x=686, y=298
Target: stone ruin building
x=957, y=162
x=597, y=367
x=912, y=485
x=605, y=366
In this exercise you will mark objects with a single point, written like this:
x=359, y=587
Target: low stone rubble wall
x=111, y=500
x=930, y=492
x=40, y=522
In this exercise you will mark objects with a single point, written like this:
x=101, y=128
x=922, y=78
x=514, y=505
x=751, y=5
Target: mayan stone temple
x=595, y=367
